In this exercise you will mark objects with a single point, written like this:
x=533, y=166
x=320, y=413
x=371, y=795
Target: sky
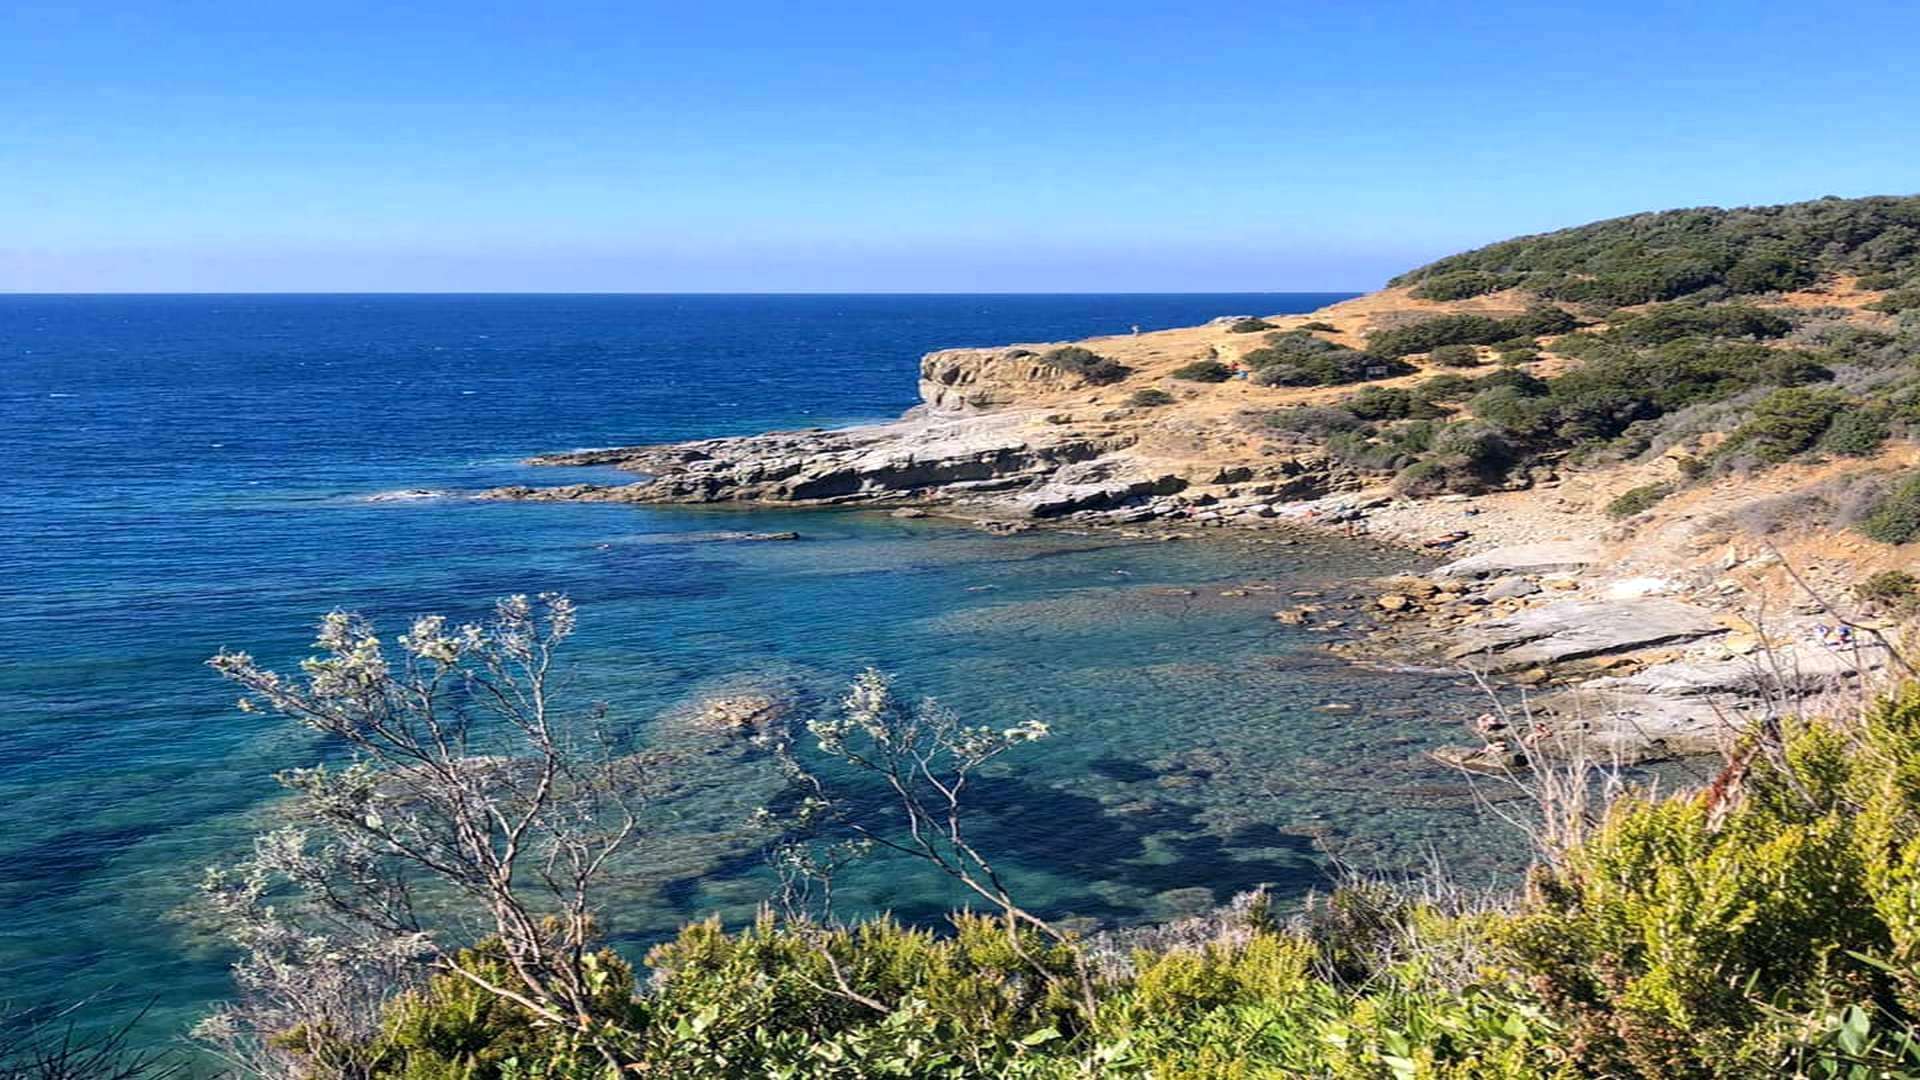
x=207, y=145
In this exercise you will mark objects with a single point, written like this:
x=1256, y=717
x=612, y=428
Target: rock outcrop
x=1581, y=630
x=1545, y=558
x=1001, y=434
x=921, y=458
x=982, y=380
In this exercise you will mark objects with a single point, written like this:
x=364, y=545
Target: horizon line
x=768, y=292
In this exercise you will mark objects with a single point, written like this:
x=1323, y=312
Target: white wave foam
x=406, y=495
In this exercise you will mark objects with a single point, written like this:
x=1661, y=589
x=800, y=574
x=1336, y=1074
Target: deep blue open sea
x=185, y=473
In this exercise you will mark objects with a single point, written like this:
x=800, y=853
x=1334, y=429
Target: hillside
x=1706, y=253
x=1724, y=460
x=1498, y=369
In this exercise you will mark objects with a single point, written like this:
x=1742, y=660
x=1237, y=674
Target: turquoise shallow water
x=192, y=473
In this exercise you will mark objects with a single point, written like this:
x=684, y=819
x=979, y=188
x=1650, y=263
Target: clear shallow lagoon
x=187, y=473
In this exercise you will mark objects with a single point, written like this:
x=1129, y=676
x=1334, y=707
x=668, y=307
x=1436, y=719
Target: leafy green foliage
x=1466, y=457
x=1455, y=356
x=451, y=1028
x=1208, y=371
x=1249, y=326
x=1089, y=365
x=1676, y=939
x=1661, y=256
x=1620, y=385
x=1149, y=397
x=1447, y=387
x=1516, y=351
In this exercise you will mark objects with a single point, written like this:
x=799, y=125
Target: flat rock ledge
x=1697, y=707
x=1623, y=669
x=1579, y=630
x=1556, y=556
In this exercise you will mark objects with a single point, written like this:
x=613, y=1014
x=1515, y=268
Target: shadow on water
x=1156, y=847
x=1114, y=866
x=59, y=865
x=1125, y=770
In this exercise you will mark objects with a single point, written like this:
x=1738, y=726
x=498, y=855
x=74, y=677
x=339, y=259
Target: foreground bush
x=1765, y=925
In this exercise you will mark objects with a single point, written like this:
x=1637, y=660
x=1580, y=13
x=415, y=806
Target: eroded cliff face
x=962, y=381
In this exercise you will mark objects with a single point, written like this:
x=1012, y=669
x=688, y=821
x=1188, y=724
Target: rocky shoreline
x=1608, y=647
x=1608, y=669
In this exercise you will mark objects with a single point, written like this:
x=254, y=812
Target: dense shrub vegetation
x=1461, y=284
x=1857, y=431
x=1395, y=403
x=1089, y=365
x=1148, y=397
x=1455, y=356
x=1204, y=371
x=1429, y=334
x=1711, y=251
x=1897, y=301
x=1645, y=380
x=1671, y=322
x=1895, y=588
x=1768, y=925
x=1298, y=358
x=1785, y=423
x=1656, y=373
x=1249, y=326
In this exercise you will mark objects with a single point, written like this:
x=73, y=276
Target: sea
x=184, y=474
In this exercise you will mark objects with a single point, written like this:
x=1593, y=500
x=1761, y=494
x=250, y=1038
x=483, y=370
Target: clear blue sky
x=633, y=146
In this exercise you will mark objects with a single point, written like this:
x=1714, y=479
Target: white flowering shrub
x=468, y=803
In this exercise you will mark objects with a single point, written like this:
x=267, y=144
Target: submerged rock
x=739, y=714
